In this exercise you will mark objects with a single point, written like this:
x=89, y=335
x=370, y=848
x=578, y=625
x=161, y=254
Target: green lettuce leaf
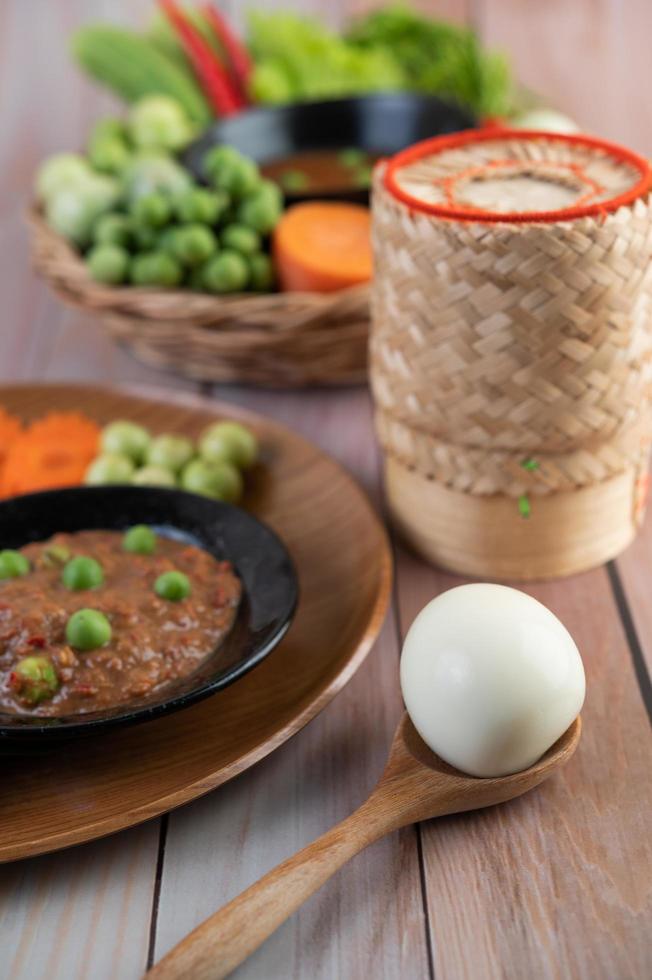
x=299, y=59
x=438, y=57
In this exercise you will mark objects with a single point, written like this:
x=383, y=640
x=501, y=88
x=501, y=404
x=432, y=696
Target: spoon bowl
x=416, y=785
x=425, y=786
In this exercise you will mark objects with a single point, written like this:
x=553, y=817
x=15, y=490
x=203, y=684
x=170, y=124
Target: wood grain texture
x=82, y=914
x=415, y=785
x=558, y=884
x=371, y=918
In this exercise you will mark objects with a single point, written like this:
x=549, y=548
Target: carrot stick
x=211, y=74
x=239, y=59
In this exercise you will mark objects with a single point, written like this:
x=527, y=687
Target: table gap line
x=430, y=939
x=156, y=892
x=631, y=634
x=427, y=929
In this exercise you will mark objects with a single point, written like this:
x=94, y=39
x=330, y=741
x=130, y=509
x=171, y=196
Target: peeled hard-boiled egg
x=490, y=678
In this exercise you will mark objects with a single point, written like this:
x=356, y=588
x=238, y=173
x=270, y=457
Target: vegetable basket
x=511, y=350
x=275, y=339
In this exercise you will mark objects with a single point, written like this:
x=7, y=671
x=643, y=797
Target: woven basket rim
x=439, y=144
x=283, y=340
x=127, y=298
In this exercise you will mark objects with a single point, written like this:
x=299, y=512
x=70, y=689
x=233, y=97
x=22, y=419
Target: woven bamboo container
x=511, y=349
x=284, y=340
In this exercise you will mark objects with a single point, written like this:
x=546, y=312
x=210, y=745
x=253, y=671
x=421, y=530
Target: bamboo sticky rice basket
x=511, y=349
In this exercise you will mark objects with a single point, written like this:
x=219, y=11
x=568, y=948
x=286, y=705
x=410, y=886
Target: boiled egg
x=490, y=678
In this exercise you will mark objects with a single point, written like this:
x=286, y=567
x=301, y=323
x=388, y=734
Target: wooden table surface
x=555, y=885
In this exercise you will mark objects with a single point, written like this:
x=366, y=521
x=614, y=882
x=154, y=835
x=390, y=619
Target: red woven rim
x=440, y=143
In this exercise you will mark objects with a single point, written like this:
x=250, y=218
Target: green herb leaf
x=363, y=176
x=524, y=508
x=352, y=157
x=293, y=180
x=438, y=57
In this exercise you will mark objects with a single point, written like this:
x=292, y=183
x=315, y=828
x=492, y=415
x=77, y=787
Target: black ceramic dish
x=380, y=125
x=269, y=595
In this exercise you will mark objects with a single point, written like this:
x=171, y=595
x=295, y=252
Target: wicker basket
x=511, y=353
x=276, y=339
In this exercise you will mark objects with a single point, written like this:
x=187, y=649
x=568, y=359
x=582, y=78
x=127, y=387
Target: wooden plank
x=79, y=914
x=634, y=569
x=558, y=884
x=589, y=58
x=369, y=920
x=82, y=349
x=370, y=917
x=87, y=912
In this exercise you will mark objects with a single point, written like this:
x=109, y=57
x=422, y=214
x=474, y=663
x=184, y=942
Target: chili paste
x=153, y=641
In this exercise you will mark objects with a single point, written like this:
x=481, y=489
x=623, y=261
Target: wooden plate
x=93, y=787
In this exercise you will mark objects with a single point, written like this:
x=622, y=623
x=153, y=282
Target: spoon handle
x=224, y=940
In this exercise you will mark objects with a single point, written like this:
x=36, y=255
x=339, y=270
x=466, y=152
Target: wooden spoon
x=416, y=785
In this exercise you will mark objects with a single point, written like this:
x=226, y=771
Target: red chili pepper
x=239, y=58
x=15, y=681
x=37, y=641
x=84, y=690
x=210, y=72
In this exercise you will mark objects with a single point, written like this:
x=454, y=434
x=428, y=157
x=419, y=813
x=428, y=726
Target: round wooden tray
x=83, y=790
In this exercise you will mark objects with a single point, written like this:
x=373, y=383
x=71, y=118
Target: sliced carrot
x=323, y=246
x=36, y=467
x=68, y=427
x=53, y=452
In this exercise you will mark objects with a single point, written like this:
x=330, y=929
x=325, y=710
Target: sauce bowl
x=379, y=124
x=270, y=589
